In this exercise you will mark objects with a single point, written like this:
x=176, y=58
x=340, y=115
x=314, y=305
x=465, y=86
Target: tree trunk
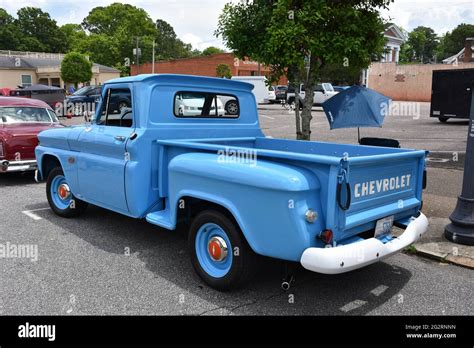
x=306, y=116
x=297, y=113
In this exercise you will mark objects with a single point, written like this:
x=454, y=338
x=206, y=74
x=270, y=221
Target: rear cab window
x=205, y=105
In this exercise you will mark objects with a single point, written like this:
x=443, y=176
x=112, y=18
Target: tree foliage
x=212, y=50
x=107, y=35
x=453, y=42
x=76, y=68
x=421, y=45
x=302, y=37
x=224, y=71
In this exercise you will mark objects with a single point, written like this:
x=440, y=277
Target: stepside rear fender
x=274, y=224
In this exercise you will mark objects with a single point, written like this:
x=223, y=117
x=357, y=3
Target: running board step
x=161, y=218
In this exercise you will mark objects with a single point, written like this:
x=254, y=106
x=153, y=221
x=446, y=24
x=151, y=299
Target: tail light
x=326, y=236
x=2, y=149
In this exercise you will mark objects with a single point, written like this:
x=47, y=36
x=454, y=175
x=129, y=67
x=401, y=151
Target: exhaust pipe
x=287, y=281
x=4, y=164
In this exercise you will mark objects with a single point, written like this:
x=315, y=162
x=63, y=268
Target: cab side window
x=117, y=108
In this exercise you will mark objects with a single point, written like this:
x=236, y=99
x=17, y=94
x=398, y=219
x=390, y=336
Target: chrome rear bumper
x=348, y=257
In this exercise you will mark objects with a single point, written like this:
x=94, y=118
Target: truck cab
x=330, y=207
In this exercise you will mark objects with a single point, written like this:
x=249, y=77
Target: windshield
x=26, y=114
x=83, y=90
x=328, y=87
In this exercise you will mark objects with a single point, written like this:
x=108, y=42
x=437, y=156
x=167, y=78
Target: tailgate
x=381, y=186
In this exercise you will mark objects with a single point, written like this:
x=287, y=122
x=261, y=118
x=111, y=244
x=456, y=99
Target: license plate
x=384, y=226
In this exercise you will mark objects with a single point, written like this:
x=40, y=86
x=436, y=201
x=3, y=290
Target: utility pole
x=138, y=57
x=461, y=228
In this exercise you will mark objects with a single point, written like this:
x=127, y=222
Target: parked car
x=329, y=206
x=21, y=120
x=51, y=95
x=192, y=104
x=83, y=99
x=322, y=92
x=280, y=92
x=272, y=95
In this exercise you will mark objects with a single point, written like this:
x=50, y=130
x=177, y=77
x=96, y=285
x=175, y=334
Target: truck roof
x=186, y=79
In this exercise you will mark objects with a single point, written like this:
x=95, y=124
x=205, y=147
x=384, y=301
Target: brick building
x=204, y=66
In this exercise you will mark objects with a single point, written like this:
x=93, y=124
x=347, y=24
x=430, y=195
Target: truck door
x=103, y=155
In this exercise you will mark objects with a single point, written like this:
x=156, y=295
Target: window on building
x=26, y=80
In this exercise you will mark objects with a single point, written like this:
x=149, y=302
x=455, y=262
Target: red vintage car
x=21, y=120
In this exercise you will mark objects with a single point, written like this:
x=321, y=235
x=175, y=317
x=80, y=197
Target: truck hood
x=20, y=139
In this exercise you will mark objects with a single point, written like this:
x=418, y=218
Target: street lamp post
x=461, y=228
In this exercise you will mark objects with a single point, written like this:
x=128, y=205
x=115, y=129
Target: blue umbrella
x=356, y=107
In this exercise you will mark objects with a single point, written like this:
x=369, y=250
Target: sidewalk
x=433, y=245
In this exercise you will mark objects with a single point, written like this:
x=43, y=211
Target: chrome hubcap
x=217, y=248
x=64, y=192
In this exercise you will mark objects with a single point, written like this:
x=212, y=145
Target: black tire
x=292, y=102
x=232, y=107
x=72, y=210
x=243, y=265
x=443, y=119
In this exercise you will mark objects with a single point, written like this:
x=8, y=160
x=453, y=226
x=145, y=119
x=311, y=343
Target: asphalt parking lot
x=105, y=263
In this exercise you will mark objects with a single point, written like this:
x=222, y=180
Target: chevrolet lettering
x=383, y=185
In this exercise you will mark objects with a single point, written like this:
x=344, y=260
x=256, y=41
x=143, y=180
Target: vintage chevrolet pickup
x=330, y=207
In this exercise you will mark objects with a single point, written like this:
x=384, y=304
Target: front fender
x=267, y=199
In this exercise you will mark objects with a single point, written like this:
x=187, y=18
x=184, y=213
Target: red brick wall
x=408, y=82
x=203, y=66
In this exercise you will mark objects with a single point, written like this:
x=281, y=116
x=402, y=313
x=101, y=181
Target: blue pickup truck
x=330, y=207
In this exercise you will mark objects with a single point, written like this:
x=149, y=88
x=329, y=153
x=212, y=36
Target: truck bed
x=381, y=182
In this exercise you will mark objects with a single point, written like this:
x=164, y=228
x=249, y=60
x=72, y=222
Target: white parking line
x=379, y=290
x=352, y=305
x=32, y=215
x=269, y=117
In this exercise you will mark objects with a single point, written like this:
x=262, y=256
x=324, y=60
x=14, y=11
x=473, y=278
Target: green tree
x=422, y=44
x=39, y=32
x=74, y=35
x=122, y=23
x=168, y=46
x=224, y=71
x=212, y=50
x=76, y=68
x=454, y=41
x=9, y=38
x=302, y=37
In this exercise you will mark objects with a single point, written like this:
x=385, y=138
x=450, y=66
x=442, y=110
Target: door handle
x=120, y=138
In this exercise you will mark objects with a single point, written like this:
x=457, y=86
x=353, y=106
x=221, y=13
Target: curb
x=442, y=257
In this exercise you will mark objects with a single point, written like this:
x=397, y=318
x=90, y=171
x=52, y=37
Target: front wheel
x=443, y=119
x=219, y=252
x=60, y=198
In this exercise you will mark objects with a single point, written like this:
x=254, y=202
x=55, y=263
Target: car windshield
x=26, y=114
x=328, y=87
x=83, y=90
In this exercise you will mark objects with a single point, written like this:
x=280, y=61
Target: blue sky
x=195, y=21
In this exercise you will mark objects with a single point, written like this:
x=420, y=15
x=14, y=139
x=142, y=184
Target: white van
x=260, y=90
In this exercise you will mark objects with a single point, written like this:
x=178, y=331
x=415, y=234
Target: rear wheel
x=60, y=197
x=219, y=252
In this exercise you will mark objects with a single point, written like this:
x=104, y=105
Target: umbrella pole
x=358, y=134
